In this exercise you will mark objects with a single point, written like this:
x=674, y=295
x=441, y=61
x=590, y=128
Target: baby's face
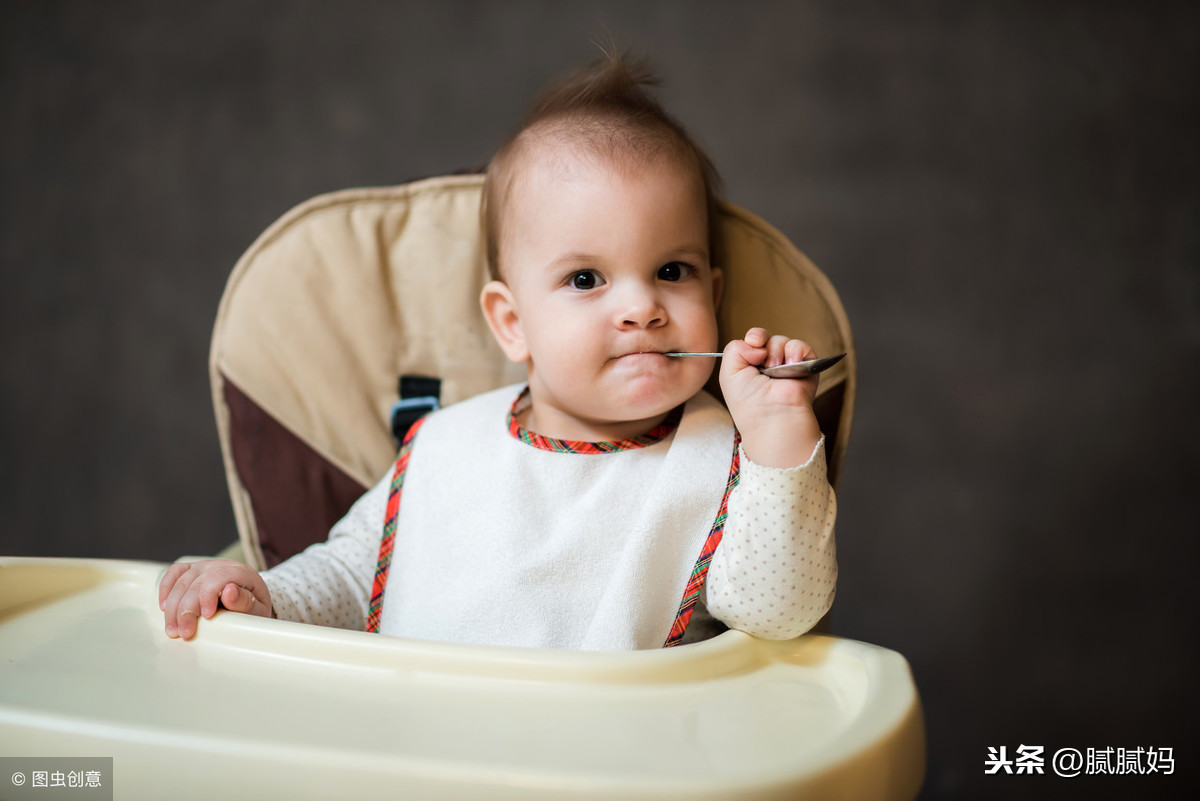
x=609, y=269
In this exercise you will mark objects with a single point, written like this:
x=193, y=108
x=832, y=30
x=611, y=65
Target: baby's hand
x=774, y=415
x=191, y=590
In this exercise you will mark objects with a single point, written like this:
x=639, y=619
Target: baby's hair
x=607, y=110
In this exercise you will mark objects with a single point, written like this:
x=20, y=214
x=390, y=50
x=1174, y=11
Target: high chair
x=345, y=320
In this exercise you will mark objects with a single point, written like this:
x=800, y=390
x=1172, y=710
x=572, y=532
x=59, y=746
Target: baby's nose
x=641, y=308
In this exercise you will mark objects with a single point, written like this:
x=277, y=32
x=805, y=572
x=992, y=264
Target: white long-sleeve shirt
x=504, y=537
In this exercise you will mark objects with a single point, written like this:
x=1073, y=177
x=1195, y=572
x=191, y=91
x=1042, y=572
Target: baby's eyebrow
x=689, y=250
x=570, y=259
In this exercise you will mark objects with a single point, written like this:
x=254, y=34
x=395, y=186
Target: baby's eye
x=674, y=271
x=584, y=279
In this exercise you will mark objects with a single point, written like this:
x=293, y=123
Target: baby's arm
x=329, y=584
x=775, y=571
x=191, y=590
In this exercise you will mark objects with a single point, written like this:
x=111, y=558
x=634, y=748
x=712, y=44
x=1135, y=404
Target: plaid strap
x=375, y=611
x=691, y=593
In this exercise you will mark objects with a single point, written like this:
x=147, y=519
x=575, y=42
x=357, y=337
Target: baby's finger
x=187, y=614
x=775, y=351
x=756, y=337
x=171, y=607
x=199, y=601
x=168, y=582
x=187, y=622
x=232, y=598
x=202, y=598
x=209, y=591
x=797, y=350
x=740, y=354
x=237, y=598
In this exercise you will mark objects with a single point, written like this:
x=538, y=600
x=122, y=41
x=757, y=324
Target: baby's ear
x=718, y=285
x=500, y=311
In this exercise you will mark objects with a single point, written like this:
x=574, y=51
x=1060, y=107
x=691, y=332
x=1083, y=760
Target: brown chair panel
x=296, y=494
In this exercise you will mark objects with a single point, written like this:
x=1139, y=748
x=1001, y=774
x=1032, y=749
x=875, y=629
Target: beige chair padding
x=350, y=290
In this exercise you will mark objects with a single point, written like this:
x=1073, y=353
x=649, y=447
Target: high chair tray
x=270, y=709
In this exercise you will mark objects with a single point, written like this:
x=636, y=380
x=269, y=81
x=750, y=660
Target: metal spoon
x=793, y=370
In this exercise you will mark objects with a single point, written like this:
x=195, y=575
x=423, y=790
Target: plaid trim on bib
x=656, y=434
x=691, y=593
x=384, y=563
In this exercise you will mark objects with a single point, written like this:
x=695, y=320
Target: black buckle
x=418, y=397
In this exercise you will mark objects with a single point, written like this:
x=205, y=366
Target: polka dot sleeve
x=775, y=571
x=329, y=583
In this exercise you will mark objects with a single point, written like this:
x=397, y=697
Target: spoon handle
x=793, y=370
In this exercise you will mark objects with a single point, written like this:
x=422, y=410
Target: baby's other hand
x=191, y=590
x=774, y=415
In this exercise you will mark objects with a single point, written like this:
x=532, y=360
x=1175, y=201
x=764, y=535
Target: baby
x=603, y=502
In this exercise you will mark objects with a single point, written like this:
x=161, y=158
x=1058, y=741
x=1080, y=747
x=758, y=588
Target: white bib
x=501, y=542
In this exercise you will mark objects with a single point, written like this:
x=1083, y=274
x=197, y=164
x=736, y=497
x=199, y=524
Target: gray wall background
x=1004, y=193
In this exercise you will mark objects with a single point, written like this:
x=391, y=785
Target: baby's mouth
x=654, y=359
x=647, y=352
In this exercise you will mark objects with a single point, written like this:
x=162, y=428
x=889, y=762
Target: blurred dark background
x=1006, y=195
